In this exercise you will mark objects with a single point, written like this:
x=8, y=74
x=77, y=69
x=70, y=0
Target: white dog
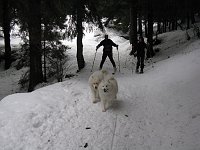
x=108, y=89
x=94, y=81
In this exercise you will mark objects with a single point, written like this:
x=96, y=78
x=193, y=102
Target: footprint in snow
x=76, y=93
x=37, y=124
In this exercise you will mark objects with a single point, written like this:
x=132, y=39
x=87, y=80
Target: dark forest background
x=41, y=23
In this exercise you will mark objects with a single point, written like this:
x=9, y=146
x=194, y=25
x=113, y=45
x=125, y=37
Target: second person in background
x=140, y=53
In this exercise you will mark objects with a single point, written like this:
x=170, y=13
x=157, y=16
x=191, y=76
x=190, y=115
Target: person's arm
x=99, y=45
x=134, y=49
x=115, y=45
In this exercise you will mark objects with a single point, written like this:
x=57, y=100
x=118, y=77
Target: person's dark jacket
x=141, y=49
x=107, y=45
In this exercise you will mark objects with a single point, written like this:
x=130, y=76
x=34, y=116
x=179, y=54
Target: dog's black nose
x=104, y=90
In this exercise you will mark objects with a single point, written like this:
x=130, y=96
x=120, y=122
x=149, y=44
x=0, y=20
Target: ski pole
x=132, y=64
x=118, y=60
x=93, y=61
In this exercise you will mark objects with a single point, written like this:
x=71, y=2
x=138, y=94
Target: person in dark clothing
x=140, y=53
x=107, y=51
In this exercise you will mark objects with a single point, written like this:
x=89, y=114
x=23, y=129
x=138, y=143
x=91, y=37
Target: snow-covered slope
x=158, y=110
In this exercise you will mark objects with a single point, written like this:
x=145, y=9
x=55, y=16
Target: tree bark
x=6, y=31
x=133, y=24
x=176, y=25
x=150, y=52
x=165, y=26
x=44, y=52
x=192, y=17
x=80, y=58
x=188, y=20
x=158, y=27
x=146, y=28
x=34, y=27
x=187, y=8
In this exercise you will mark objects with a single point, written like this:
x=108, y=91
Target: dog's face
x=106, y=87
x=95, y=83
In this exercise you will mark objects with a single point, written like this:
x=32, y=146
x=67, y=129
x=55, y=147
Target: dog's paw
x=96, y=100
x=103, y=110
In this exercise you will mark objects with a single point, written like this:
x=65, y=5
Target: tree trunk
x=165, y=26
x=158, y=28
x=44, y=52
x=34, y=27
x=80, y=58
x=45, y=68
x=150, y=52
x=6, y=31
x=176, y=25
x=170, y=26
x=140, y=25
x=173, y=24
x=187, y=9
x=146, y=29
x=133, y=24
x=192, y=18
x=188, y=20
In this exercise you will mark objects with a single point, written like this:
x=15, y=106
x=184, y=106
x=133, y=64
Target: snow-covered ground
x=157, y=110
x=9, y=79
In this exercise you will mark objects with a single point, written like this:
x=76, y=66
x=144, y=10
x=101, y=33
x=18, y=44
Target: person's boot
x=141, y=71
x=136, y=71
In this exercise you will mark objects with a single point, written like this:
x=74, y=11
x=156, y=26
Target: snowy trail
x=156, y=110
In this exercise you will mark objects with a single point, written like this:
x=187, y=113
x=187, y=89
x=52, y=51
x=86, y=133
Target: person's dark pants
x=140, y=62
x=110, y=56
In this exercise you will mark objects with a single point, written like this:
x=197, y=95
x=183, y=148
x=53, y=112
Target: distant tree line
x=42, y=20
x=131, y=15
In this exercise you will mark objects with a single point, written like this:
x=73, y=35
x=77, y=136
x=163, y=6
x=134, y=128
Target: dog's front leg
x=103, y=105
x=97, y=96
x=93, y=92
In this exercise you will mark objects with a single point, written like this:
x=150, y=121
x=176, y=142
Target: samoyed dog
x=94, y=81
x=108, y=89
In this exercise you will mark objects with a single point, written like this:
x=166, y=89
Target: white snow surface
x=157, y=110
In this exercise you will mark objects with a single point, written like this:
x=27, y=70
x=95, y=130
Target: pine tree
x=79, y=27
x=150, y=30
x=34, y=28
x=6, y=19
x=133, y=24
